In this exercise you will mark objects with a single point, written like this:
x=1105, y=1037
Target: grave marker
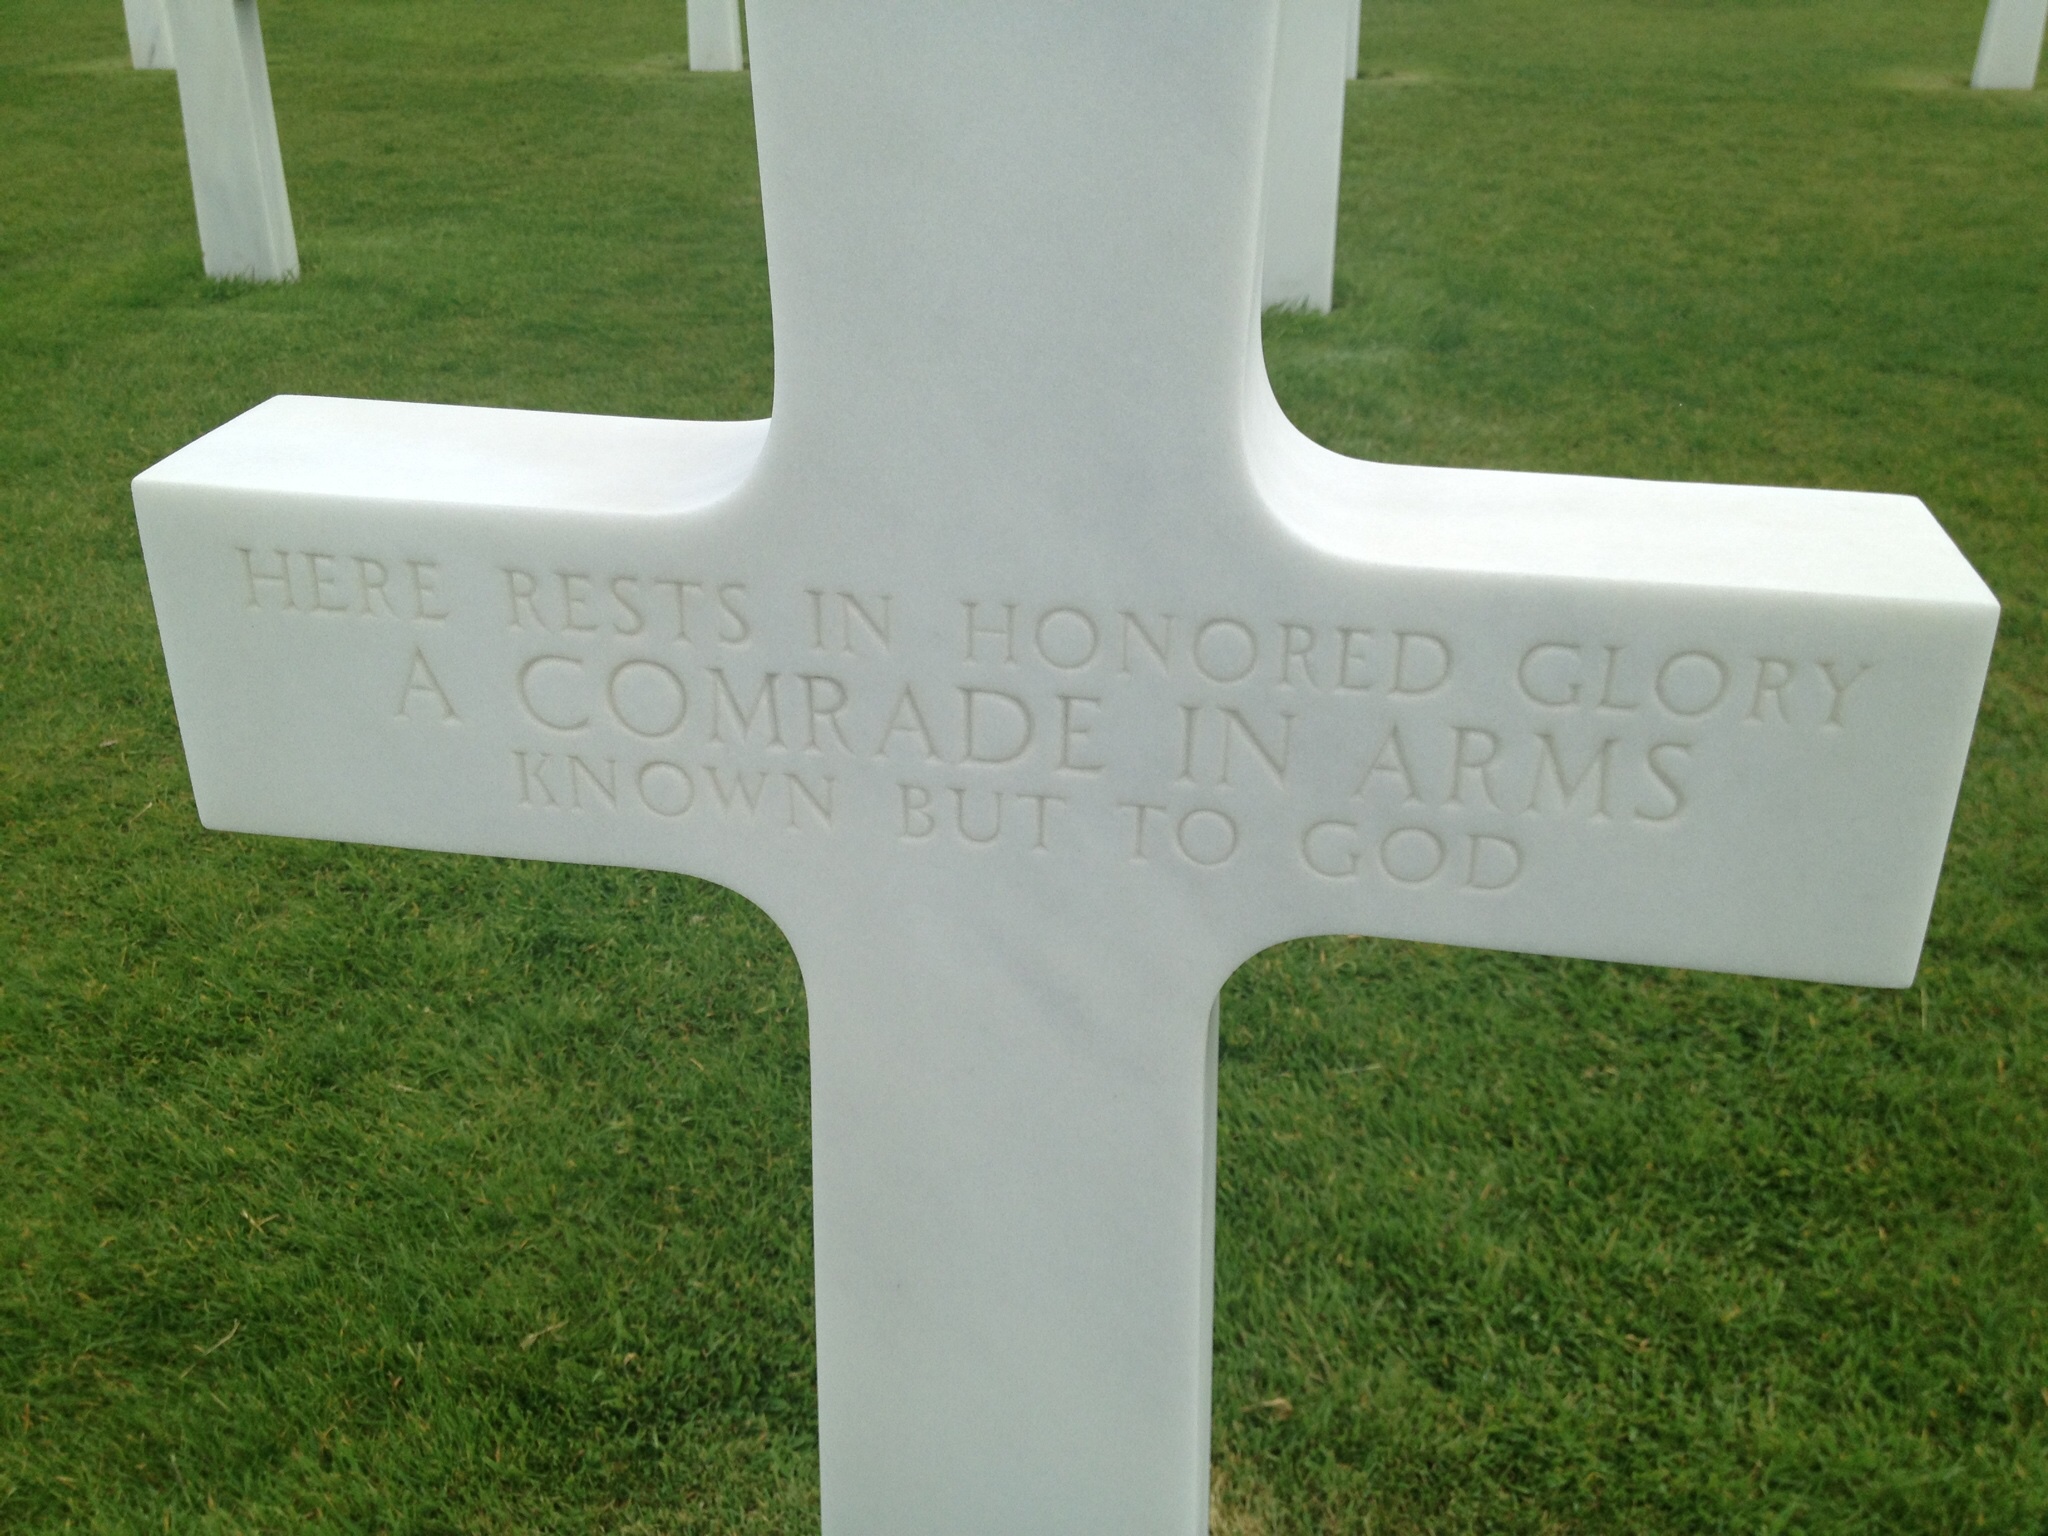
x=716, y=41
x=245, y=218
x=1304, y=154
x=2009, y=52
x=1032, y=672
x=149, y=35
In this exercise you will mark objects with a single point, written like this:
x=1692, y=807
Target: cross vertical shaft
x=967, y=240
x=1013, y=1177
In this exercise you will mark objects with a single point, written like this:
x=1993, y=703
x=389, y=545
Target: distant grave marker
x=1032, y=672
x=716, y=39
x=1305, y=153
x=245, y=217
x=149, y=35
x=2009, y=52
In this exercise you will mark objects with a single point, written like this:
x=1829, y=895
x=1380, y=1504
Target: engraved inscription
x=306, y=581
x=1387, y=750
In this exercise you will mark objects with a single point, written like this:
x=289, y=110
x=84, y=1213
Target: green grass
x=419, y=1194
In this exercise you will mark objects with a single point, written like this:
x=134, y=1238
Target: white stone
x=2009, y=52
x=1304, y=154
x=715, y=36
x=149, y=35
x=1032, y=672
x=245, y=218
x=1351, y=18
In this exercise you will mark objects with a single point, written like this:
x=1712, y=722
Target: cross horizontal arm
x=1686, y=725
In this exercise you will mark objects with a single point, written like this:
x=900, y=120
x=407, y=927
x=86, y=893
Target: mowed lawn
x=380, y=1191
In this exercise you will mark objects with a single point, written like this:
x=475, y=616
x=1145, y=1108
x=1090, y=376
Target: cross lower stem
x=1015, y=1198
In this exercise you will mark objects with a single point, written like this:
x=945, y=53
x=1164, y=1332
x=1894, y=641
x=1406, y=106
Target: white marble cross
x=245, y=218
x=2009, y=52
x=1032, y=672
x=1305, y=151
x=715, y=36
x=149, y=35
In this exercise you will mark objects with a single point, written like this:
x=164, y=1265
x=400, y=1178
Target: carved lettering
x=1348, y=661
x=1772, y=676
x=1691, y=683
x=1464, y=764
x=1044, y=803
x=1275, y=758
x=680, y=593
x=521, y=591
x=1066, y=639
x=994, y=820
x=1412, y=855
x=1841, y=688
x=426, y=594
x=1006, y=631
x=918, y=821
x=533, y=780
x=1607, y=686
x=723, y=700
x=978, y=730
x=260, y=581
x=605, y=786
x=1391, y=759
x=1495, y=863
x=1140, y=822
x=647, y=698
x=527, y=684
x=800, y=791
x=825, y=701
x=1451, y=753
x=742, y=794
x=1226, y=651
x=1160, y=646
x=373, y=589
x=1545, y=680
x=1074, y=734
x=1297, y=644
x=855, y=615
x=327, y=596
x=1206, y=837
x=733, y=626
x=1550, y=770
x=666, y=788
x=908, y=716
x=1666, y=776
x=853, y=611
x=1325, y=855
x=420, y=682
x=626, y=596
x=1422, y=664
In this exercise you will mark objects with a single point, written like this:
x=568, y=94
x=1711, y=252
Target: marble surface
x=149, y=35
x=2009, y=51
x=716, y=41
x=245, y=217
x=1304, y=152
x=1032, y=672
